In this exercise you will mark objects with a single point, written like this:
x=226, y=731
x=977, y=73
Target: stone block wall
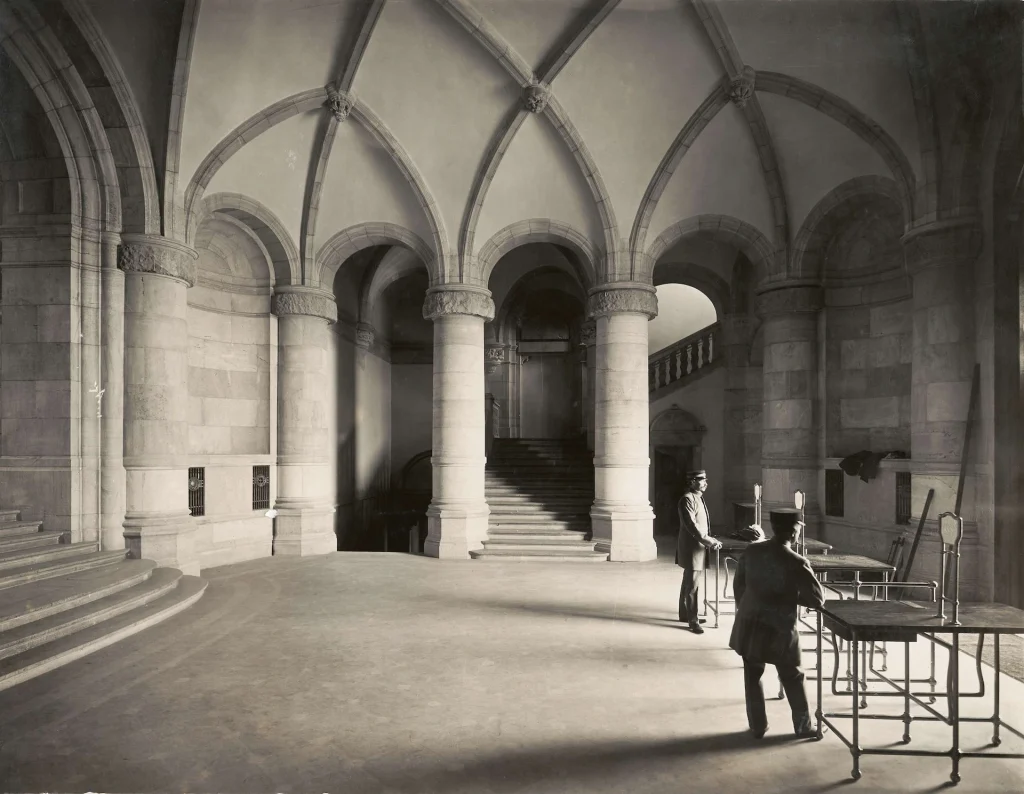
x=868, y=353
x=231, y=417
x=411, y=413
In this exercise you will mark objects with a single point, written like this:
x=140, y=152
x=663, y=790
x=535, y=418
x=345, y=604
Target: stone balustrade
x=696, y=353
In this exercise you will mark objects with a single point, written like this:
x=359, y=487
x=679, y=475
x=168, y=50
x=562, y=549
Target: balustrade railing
x=684, y=359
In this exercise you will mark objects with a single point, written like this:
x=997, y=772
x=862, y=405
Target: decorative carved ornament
x=636, y=299
x=535, y=97
x=942, y=244
x=741, y=88
x=159, y=256
x=588, y=333
x=443, y=301
x=340, y=103
x=496, y=353
x=790, y=299
x=364, y=336
x=307, y=302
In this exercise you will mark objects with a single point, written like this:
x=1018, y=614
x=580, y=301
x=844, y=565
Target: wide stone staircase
x=61, y=601
x=539, y=492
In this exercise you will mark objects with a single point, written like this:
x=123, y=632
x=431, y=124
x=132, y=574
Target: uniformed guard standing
x=692, y=545
x=772, y=581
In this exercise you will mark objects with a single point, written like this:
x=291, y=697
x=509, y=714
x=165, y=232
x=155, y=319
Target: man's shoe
x=759, y=734
x=702, y=620
x=696, y=628
x=810, y=732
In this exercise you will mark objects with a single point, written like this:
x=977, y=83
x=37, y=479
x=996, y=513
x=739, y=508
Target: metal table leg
x=954, y=706
x=855, y=744
x=996, y=741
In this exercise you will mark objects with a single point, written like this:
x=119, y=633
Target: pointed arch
x=748, y=239
x=541, y=230
x=396, y=264
x=333, y=253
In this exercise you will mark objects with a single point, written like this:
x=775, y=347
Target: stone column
x=458, y=512
x=622, y=518
x=789, y=452
x=588, y=341
x=112, y=424
x=744, y=395
x=157, y=525
x=304, y=524
x=941, y=258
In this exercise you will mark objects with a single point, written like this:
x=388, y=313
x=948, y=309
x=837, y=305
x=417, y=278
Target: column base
x=626, y=534
x=452, y=533
x=304, y=532
x=113, y=537
x=167, y=540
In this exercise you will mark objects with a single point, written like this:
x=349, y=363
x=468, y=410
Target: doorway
x=547, y=407
x=670, y=466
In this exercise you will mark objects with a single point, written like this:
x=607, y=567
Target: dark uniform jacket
x=694, y=532
x=771, y=581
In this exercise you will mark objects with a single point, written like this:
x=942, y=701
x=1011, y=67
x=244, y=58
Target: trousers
x=792, y=678
x=689, y=592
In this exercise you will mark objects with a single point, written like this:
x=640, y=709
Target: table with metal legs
x=862, y=623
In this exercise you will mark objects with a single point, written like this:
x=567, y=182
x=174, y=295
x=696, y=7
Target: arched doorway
x=676, y=447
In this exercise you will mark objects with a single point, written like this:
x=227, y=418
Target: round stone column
x=940, y=258
x=157, y=524
x=789, y=440
x=304, y=524
x=458, y=513
x=622, y=518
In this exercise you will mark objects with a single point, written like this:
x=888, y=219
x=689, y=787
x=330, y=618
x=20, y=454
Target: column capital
x=494, y=356
x=588, y=333
x=365, y=334
x=458, y=299
x=942, y=244
x=307, y=301
x=160, y=256
x=622, y=298
x=789, y=297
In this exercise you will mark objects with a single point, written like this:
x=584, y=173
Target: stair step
x=532, y=555
x=28, y=541
x=10, y=515
x=36, y=600
x=522, y=539
x=8, y=529
x=19, y=559
x=537, y=531
x=52, y=655
x=79, y=560
x=61, y=624
x=540, y=508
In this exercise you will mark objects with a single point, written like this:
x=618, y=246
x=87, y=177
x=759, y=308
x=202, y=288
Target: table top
x=847, y=562
x=920, y=616
x=732, y=544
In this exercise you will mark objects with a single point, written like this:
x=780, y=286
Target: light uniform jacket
x=771, y=582
x=694, y=531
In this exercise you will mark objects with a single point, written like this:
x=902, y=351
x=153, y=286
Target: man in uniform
x=772, y=582
x=692, y=545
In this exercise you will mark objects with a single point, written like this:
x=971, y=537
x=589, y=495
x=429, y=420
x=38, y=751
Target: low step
x=61, y=624
x=534, y=508
x=80, y=560
x=532, y=555
x=10, y=515
x=523, y=540
x=52, y=655
x=20, y=559
x=536, y=531
x=8, y=529
x=36, y=600
x=28, y=541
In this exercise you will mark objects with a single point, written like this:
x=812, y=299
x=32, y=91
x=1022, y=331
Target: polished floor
x=391, y=673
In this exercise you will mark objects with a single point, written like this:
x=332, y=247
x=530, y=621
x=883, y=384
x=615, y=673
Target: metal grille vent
x=260, y=487
x=834, y=493
x=197, y=491
x=903, y=497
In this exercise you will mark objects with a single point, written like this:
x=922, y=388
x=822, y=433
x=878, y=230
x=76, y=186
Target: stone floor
x=391, y=673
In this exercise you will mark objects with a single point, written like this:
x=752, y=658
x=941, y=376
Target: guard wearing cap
x=692, y=544
x=772, y=581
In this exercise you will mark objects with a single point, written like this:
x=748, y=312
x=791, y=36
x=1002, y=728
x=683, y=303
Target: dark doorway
x=670, y=467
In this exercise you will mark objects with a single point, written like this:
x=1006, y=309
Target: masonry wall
x=232, y=369
x=411, y=412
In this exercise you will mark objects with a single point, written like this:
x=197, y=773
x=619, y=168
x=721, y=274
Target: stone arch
x=282, y=255
x=397, y=263
x=333, y=254
x=679, y=424
x=748, y=239
x=519, y=291
x=541, y=230
x=700, y=278
x=694, y=126
x=812, y=235
x=858, y=122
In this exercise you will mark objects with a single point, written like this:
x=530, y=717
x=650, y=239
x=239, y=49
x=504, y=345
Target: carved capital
x=442, y=301
x=942, y=244
x=339, y=102
x=494, y=357
x=364, y=336
x=785, y=298
x=633, y=299
x=306, y=302
x=741, y=88
x=588, y=333
x=535, y=97
x=158, y=256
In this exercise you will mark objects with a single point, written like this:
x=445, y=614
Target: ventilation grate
x=834, y=493
x=903, y=497
x=197, y=491
x=260, y=487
